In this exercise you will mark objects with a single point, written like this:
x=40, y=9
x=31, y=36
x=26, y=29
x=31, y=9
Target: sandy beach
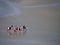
x=43, y=24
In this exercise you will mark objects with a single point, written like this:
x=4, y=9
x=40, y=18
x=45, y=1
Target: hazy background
x=43, y=22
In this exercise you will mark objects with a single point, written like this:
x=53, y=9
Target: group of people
x=16, y=28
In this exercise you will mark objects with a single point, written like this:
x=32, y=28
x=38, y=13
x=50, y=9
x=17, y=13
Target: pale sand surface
x=43, y=24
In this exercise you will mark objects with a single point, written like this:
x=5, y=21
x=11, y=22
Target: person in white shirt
x=9, y=30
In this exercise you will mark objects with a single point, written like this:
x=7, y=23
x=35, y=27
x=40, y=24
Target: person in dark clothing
x=14, y=30
x=24, y=27
x=19, y=29
x=11, y=25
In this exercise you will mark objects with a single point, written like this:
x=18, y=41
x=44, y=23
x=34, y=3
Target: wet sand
x=43, y=24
